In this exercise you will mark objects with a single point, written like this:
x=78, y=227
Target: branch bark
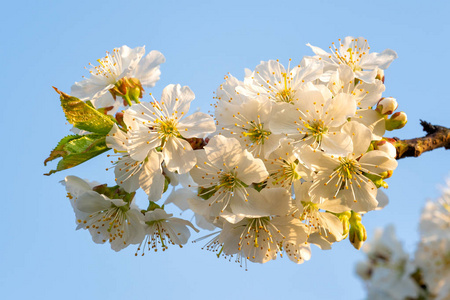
x=437, y=137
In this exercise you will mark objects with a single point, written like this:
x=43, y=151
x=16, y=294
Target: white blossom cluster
x=389, y=273
x=288, y=157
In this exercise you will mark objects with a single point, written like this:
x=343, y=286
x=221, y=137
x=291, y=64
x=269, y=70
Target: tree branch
x=437, y=137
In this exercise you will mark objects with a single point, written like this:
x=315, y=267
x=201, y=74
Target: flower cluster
x=290, y=156
x=389, y=273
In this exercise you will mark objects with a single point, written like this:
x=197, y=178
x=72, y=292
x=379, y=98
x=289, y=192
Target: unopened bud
x=386, y=147
x=396, y=121
x=387, y=106
x=386, y=174
x=357, y=234
x=380, y=75
x=345, y=220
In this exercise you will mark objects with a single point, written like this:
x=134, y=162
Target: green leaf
x=84, y=116
x=76, y=149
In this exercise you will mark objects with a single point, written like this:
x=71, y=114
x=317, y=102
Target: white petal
x=147, y=71
x=129, y=58
x=381, y=60
x=372, y=120
x=178, y=155
x=317, y=50
x=339, y=109
x=377, y=161
x=367, y=76
x=251, y=169
x=117, y=139
x=337, y=143
x=177, y=99
x=196, y=125
x=91, y=202
x=220, y=148
x=361, y=137
x=268, y=202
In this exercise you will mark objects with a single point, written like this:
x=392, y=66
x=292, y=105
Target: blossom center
x=253, y=231
x=352, y=56
x=167, y=128
x=286, y=174
x=228, y=181
x=256, y=133
x=348, y=168
x=287, y=93
x=109, y=67
x=317, y=129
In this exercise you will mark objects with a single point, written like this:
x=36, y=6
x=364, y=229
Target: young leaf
x=84, y=116
x=76, y=149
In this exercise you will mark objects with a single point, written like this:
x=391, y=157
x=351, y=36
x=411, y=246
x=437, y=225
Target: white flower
x=187, y=198
x=256, y=229
x=433, y=259
x=162, y=229
x=123, y=62
x=228, y=91
x=75, y=187
x=389, y=269
x=297, y=253
x=284, y=167
x=394, y=282
x=249, y=124
x=131, y=174
x=272, y=81
x=365, y=95
x=435, y=218
x=112, y=220
x=315, y=212
x=164, y=126
x=354, y=52
x=344, y=176
x=315, y=119
x=225, y=170
x=433, y=252
x=385, y=248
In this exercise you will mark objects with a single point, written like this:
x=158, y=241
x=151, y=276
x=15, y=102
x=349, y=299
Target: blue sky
x=47, y=43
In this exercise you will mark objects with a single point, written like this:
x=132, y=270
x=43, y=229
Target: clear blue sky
x=47, y=43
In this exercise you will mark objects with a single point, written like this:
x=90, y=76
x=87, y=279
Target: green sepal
x=166, y=183
x=84, y=116
x=377, y=180
x=260, y=186
x=76, y=149
x=206, y=193
x=152, y=206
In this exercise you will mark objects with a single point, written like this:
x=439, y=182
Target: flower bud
x=386, y=174
x=396, y=121
x=345, y=220
x=386, y=147
x=386, y=106
x=357, y=234
x=380, y=75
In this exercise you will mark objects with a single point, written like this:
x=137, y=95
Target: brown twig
x=437, y=137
